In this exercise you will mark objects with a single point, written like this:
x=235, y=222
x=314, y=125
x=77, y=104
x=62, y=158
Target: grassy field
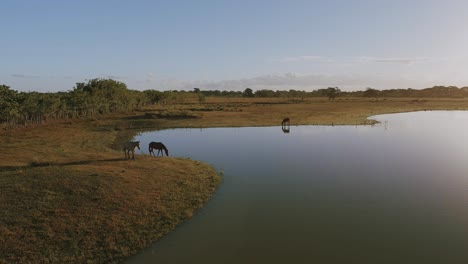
x=237, y=112
x=68, y=196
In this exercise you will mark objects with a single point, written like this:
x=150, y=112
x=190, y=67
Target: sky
x=49, y=46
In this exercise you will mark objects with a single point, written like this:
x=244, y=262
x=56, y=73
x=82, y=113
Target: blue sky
x=166, y=45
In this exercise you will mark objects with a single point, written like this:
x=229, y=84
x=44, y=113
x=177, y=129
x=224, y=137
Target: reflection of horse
x=285, y=122
x=130, y=147
x=285, y=129
x=160, y=147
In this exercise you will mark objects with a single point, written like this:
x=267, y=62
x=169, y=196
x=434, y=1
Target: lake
x=395, y=192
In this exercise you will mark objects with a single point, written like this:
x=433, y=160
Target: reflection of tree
x=285, y=125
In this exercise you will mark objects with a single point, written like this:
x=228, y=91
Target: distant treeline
x=332, y=92
x=102, y=96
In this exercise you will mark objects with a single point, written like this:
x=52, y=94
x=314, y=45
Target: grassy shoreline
x=241, y=112
x=67, y=194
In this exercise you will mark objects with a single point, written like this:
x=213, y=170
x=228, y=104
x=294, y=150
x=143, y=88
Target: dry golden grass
x=68, y=196
x=309, y=111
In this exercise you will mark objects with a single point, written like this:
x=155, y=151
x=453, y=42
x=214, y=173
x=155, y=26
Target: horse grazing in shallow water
x=130, y=147
x=285, y=122
x=159, y=146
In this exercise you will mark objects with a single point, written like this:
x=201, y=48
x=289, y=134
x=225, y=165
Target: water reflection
x=285, y=125
x=328, y=194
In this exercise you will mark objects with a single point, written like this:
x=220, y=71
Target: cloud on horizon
x=301, y=58
x=286, y=81
x=399, y=60
x=394, y=60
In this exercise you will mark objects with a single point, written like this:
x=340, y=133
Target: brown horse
x=159, y=146
x=130, y=147
x=285, y=121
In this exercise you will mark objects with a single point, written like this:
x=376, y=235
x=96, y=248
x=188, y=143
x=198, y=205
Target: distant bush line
x=103, y=96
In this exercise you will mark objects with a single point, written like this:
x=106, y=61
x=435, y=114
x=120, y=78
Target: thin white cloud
x=398, y=60
x=393, y=60
x=114, y=77
x=107, y=76
x=25, y=76
x=301, y=58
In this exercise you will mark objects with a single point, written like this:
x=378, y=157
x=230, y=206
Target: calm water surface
x=395, y=192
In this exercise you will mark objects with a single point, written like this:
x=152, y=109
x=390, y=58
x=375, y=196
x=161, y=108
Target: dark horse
x=285, y=122
x=130, y=147
x=159, y=146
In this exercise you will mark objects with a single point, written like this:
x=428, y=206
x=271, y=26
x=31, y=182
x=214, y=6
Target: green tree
x=9, y=106
x=369, y=92
x=332, y=92
x=248, y=93
x=264, y=93
x=154, y=97
x=104, y=96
